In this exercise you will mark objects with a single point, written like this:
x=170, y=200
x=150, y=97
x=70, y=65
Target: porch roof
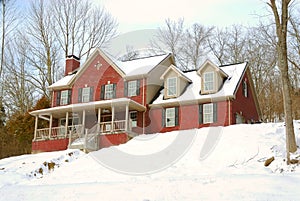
x=104, y=104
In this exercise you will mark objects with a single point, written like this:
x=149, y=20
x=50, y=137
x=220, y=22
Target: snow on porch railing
x=57, y=132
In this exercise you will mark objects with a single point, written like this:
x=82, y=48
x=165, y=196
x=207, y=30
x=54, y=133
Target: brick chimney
x=72, y=63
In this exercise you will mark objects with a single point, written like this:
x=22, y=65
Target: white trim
x=85, y=94
x=64, y=96
x=208, y=113
x=131, y=88
x=169, y=92
x=210, y=82
x=108, y=91
x=170, y=117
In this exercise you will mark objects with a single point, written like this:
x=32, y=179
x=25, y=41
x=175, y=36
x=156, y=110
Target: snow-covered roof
x=95, y=104
x=178, y=71
x=136, y=67
x=192, y=92
x=64, y=82
x=140, y=66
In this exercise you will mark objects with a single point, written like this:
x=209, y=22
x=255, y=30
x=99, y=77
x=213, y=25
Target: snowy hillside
x=223, y=163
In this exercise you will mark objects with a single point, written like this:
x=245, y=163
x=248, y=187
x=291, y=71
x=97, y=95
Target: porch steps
x=77, y=144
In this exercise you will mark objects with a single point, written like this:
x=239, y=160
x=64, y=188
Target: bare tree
x=19, y=91
x=229, y=45
x=43, y=47
x=281, y=21
x=196, y=46
x=8, y=22
x=217, y=44
x=80, y=27
x=170, y=39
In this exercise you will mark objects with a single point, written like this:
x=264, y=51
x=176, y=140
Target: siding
x=244, y=105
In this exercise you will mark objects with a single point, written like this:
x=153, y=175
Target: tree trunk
x=2, y=44
x=281, y=22
x=287, y=103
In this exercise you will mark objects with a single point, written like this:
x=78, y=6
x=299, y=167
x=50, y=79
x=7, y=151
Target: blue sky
x=148, y=14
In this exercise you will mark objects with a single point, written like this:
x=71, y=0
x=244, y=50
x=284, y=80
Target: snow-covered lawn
x=223, y=163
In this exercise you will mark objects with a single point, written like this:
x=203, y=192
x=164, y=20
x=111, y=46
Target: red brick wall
x=244, y=105
x=112, y=139
x=71, y=65
x=188, y=118
x=49, y=145
x=92, y=77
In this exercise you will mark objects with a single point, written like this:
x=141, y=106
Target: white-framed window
x=208, y=79
x=132, y=88
x=86, y=94
x=172, y=86
x=109, y=91
x=208, y=113
x=245, y=88
x=133, y=118
x=64, y=96
x=170, y=117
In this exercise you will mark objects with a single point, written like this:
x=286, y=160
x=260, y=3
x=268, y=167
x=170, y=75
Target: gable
x=216, y=77
x=181, y=81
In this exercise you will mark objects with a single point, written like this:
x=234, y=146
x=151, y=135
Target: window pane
x=208, y=81
x=86, y=94
x=64, y=97
x=171, y=86
x=109, y=91
x=132, y=88
x=170, y=117
x=208, y=113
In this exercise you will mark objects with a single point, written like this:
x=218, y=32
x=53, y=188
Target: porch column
x=50, y=125
x=83, y=122
x=126, y=117
x=99, y=120
x=112, y=118
x=35, y=127
x=67, y=123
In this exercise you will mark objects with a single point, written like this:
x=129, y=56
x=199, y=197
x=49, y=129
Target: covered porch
x=86, y=121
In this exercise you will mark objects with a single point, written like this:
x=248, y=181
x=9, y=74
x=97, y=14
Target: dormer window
x=208, y=79
x=172, y=86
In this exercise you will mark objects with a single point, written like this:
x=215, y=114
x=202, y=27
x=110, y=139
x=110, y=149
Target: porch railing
x=76, y=130
x=57, y=132
x=116, y=126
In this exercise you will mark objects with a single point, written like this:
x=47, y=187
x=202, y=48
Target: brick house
x=106, y=102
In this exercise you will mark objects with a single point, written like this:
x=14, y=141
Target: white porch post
x=50, y=125
x=126, y=117
x=83, y=122
x=99, y=120
x=67, y=123
x=112, y=118
x=35, y=127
